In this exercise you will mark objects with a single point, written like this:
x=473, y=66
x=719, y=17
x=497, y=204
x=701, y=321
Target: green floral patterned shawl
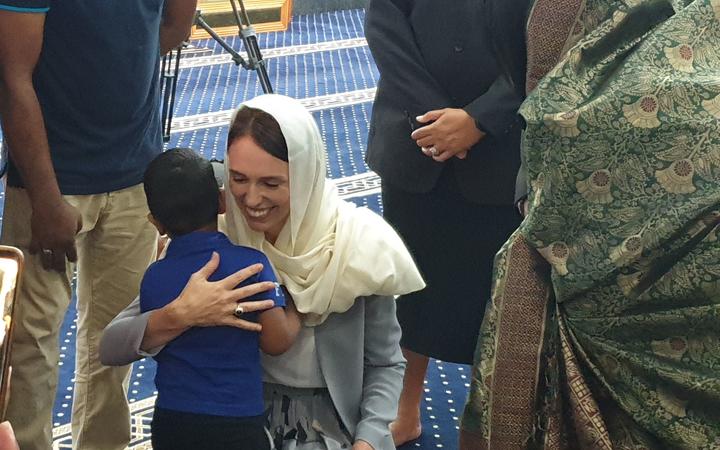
x=604, y=326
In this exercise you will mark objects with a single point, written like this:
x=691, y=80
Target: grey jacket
x=359, y=353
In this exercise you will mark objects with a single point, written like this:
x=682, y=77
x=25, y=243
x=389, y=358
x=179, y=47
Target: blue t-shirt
x=97, y=81
x=214, y=370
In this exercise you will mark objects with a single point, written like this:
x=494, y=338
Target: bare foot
x=404, y=432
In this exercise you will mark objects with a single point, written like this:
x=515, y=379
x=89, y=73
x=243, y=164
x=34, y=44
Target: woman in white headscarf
x=339, y=384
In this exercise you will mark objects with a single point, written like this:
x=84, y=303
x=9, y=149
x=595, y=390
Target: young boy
x=208, y=379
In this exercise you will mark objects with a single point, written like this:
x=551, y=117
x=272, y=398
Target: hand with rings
x=448, y=133
x=53, y=226
x=47, y=258
x=431, y=151
x=218, y=303
x=205, y=303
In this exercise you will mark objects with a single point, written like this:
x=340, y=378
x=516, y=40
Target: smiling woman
x=338, y=385
x=327, y=253
x=259, y=185
x=258, y=171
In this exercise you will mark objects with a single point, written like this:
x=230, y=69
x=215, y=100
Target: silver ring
x=433, y=151
x=239, y=311
x=46, y=252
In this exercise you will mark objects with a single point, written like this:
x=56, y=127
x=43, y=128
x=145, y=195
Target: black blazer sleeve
x=496, y=111
x=392, y=43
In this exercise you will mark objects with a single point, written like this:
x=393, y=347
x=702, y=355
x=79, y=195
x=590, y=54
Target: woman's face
x=259, y=182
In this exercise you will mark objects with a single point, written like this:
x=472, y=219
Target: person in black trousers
x=444, y=139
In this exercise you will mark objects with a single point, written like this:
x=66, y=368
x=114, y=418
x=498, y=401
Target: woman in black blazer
x=444, y=138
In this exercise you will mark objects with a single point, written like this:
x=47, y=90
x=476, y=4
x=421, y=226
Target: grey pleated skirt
x=304, y=419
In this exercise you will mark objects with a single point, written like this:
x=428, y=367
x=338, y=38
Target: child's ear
x=221, y=203
x=161, y=229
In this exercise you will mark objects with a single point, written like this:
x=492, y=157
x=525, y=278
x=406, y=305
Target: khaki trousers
x=115, y=246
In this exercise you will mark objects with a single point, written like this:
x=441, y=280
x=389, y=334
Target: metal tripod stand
x=170, y=65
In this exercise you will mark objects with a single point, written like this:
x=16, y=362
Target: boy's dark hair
x=181, y=191
x=260, y=126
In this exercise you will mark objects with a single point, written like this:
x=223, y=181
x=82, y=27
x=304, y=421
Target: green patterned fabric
x=622, y=147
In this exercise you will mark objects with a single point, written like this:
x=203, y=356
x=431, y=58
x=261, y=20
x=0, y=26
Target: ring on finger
x=433, y=151
x=239, y=311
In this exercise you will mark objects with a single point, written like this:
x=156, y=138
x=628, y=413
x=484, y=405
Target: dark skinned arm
x=176, y=23
x=280, y=327
x=54, y=222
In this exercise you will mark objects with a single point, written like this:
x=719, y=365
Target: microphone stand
x=253, y=61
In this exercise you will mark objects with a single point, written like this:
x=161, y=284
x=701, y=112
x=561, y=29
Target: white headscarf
x=329, y=252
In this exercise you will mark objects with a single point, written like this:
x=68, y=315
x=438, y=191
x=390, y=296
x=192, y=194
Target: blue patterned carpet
x=324, y=61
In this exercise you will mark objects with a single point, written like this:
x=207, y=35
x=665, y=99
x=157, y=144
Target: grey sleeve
x=121, y=339
x=384, y=371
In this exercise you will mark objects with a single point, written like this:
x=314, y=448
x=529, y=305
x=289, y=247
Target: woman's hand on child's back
x=206, y=303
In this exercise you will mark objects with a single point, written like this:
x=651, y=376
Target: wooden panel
x=265, y=15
